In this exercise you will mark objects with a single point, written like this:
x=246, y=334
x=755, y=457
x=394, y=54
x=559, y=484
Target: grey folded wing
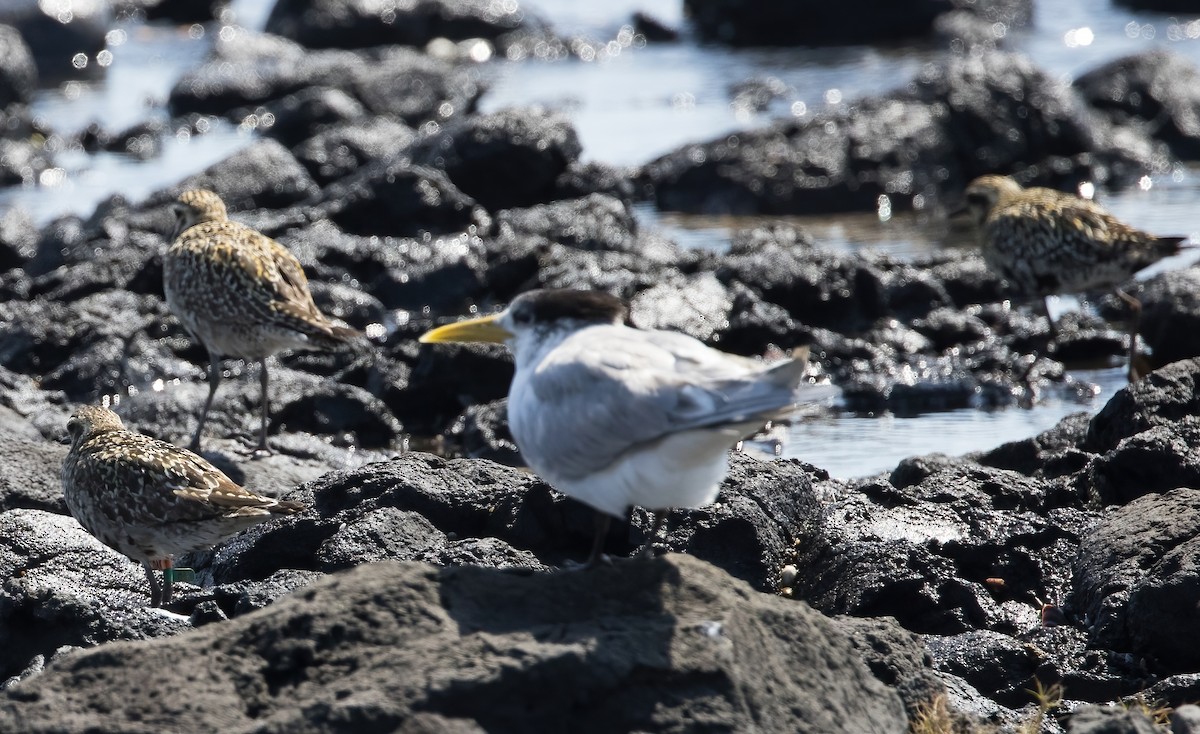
x=598, y=402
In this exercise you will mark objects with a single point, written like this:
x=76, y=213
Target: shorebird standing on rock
x=617, y=417
x=1046, y=242
x=241, y=294
x=150, y=500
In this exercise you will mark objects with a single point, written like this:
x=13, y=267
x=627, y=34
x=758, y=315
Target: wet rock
x=182, y=11
x=1170, y=315
x=818, y=24
x=57, y=34
x=347, y=414
x=1134, y=575
x=63, y=587
x=299, y=116
x=142, y=141
x=446, y=378
x=262, y=175
x=248, y=70
x=989, y=661
x=343, y=148
x=674, y=616
x=482, y=432
x=594, y=177
x=595, y=223
x=20, y=162
x=958, y=119
x=1155, y=460
x=506, y=159
x=698, y=306
x=1051, y=453
x=962, y=31
x=18, y=75
x=922, y=546
x=652, y=29
x=816, y=287
x=18, y=238
x=1155, y=91
x=361, y=23
x=1162, y=398
x=753, y=324
x=399, y=199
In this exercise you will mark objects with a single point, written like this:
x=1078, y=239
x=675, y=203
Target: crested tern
x=617, y=417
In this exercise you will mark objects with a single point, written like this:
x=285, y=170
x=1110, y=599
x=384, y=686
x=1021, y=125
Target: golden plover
x=618, y=417
x=150, y=500
x=1046, y=242
x=241, y=294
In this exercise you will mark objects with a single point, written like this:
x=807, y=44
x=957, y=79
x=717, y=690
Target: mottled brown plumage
x=150, y=500
x=1046, y=242
x=241, y=294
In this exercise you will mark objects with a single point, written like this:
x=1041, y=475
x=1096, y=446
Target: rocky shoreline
x=424, y=590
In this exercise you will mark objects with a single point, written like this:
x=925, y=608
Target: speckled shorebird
x=618, y=417
x=241, y=294
x=1047, y=242
x=151, y=500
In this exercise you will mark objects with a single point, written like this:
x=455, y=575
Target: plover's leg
x=166, y=565
x=155, y=587
x=1134, y=370
x=214, y=379
x=264, y=378
x=1044, y=308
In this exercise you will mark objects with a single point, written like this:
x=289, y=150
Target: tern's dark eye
x=522, y=316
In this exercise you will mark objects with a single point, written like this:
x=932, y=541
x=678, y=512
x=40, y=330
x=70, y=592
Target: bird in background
x=240, y=294
x=151, y=500
x=617, y=417
x=1047, y=242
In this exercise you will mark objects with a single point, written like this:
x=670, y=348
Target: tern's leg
x=264, y=378
x=647, y=550
x=1044, y=305
x=156, y=591
x=214, y=379
x=1136, y=368
x=602, y=522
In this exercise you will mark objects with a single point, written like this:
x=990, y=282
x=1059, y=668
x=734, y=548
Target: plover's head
x=92, y=420
x=535, y=315
x=985, y=192
x=195, y=206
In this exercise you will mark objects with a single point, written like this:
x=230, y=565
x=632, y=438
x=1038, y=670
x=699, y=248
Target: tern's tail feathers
x=776, y=392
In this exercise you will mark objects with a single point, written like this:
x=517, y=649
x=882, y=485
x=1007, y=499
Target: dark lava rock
x=766, y=23
x=511, y=158
x=1170, y=322
x=1136, y=579
x=1158, y=91
x=18, y=238
x=21, y=162
x=482, y=432
x=363, y=23
x=960, y=118
x=550, y=651
x=652, y=29
x=56, y=32
x=29, y=473
x=482, y=513
x=249, y=70
x=1162, y=398
x=1110, y=720
x=1160, y=6
x=1049, y=454
x=182, y=11
x=922, y=546
x=397, y=198
x=446, y=378
x=299, y=116
x=63, y=587
x=262, y=175
x=443, y=274
x=343, y=148
x=990, y=661
x=18, y=74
